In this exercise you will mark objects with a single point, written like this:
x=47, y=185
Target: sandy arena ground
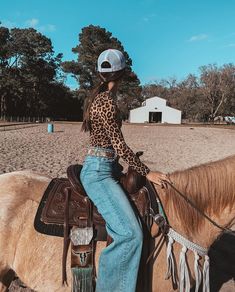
x=166, y=148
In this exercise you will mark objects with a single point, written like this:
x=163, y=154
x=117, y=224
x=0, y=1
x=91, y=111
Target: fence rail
x=24, y=119
x=13, y=126
x=9, y=123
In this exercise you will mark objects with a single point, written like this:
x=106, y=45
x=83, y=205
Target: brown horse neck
x=204, y=234
x=211, y=187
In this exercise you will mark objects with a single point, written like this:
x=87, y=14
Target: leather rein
x=224, y=229
x=161, y=219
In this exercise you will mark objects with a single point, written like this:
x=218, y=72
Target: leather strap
x=152, y=196
x=67, y=192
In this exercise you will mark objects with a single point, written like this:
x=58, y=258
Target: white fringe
x=184, y=273
x=171, y=272
x=206, y=279
x=197, y=271
x=184, y=279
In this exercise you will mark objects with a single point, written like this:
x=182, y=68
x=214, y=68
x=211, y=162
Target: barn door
x=155, y=117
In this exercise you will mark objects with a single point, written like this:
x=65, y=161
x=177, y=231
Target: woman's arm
x=114, y=133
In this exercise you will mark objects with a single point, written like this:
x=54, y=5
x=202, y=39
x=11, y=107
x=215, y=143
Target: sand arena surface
x=166, y=148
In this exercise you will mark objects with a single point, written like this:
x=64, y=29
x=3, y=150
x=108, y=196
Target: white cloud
x=199, y=37
x=148, y=17
x=230, y=46
x=51, y=27
x=47, y=28
x=33, y=22
x=8, y=23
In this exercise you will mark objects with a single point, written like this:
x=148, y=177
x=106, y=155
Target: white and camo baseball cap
x=114, y=57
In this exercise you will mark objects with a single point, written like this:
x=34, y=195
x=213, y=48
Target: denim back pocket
x=91, y=163
x=105, y=165
x=89, y=171
x=99, y=164
x=96, y=169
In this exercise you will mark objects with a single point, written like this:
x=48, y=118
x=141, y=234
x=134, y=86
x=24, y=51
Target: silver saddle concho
x=81, y=236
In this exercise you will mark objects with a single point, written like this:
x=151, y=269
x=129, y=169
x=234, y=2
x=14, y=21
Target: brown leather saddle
x=65, y=207
x=81, y=211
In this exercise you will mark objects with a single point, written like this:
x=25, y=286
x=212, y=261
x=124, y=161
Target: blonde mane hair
x=210, y=186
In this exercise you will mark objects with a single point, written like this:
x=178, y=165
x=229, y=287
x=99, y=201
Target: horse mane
x=210, y=186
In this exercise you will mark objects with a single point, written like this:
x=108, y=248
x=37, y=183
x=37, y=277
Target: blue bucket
x=50, y=128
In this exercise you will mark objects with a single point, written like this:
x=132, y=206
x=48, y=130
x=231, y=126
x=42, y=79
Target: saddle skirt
x=51, y=214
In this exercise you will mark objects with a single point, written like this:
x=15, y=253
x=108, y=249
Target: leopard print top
x=105, y=131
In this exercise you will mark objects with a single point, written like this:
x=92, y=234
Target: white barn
x=155, y=110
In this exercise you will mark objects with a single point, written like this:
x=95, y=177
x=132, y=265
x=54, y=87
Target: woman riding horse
x=119, y=262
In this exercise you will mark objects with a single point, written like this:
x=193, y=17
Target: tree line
x=200, y=98
x=32, y=79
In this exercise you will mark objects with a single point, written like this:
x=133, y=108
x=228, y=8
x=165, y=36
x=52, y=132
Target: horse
x=211, y=186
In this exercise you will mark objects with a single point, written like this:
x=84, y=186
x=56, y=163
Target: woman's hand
x=158, y=178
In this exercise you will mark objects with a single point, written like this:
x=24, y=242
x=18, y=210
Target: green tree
x=92, y=41
x=28, y=70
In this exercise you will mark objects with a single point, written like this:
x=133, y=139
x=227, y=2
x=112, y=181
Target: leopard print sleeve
x=109, y=118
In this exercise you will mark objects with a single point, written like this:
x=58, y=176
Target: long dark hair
x=105, y=77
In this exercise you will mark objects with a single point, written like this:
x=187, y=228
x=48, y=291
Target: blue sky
x=164, y=38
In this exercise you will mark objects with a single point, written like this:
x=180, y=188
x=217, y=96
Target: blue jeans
x=119, y=262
